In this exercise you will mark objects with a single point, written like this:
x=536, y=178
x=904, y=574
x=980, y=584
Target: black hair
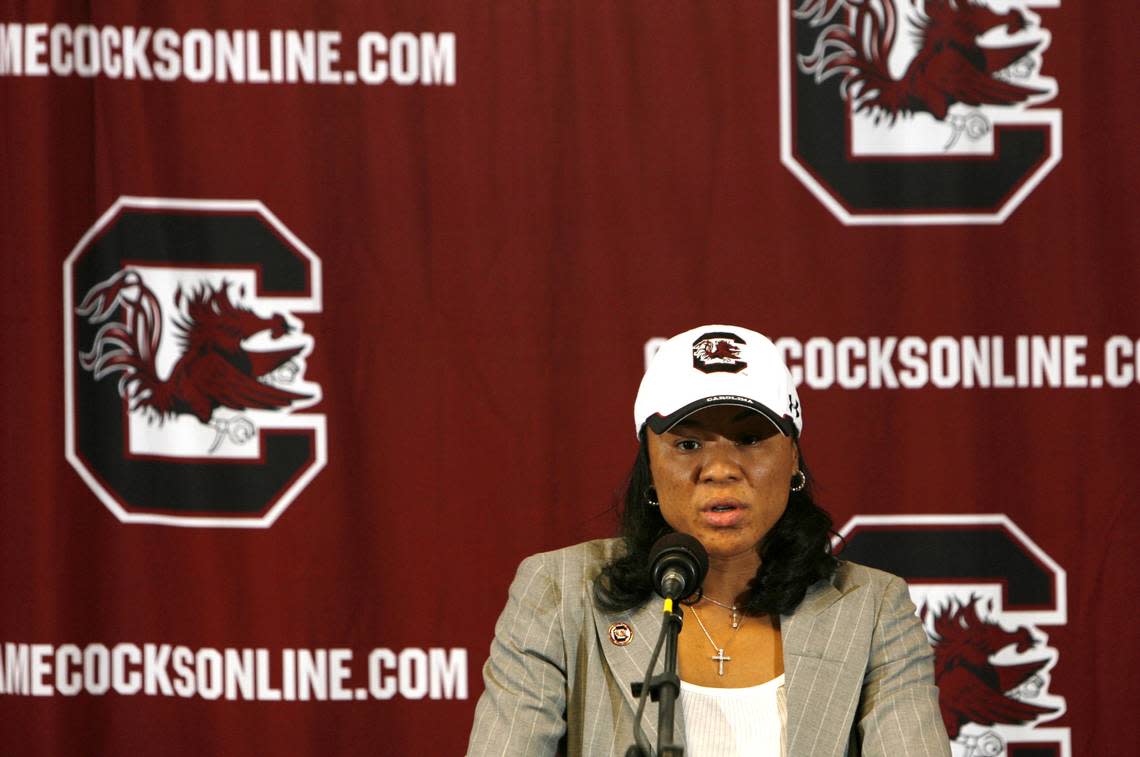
x=794, y=554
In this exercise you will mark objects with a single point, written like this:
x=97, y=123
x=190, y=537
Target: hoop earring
x=798, y=485
x=651, y=497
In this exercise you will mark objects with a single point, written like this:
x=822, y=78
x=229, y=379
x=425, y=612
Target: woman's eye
x=748, y=440
x=688, y=445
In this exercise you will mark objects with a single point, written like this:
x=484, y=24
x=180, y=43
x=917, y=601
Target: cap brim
x=659, y=424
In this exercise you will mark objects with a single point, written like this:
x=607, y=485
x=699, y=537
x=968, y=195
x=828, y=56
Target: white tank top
x=745, y=722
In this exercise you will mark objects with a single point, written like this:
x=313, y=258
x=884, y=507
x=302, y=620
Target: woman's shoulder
x=849, y=575
x=562, y=580
x=585, y=559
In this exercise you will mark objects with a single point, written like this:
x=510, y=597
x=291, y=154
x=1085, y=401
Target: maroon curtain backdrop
x=319, y=317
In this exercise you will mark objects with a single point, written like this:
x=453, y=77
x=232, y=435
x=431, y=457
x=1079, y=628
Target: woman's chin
x=724, y=546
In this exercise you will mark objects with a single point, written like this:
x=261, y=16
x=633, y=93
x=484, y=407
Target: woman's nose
x=720, y=463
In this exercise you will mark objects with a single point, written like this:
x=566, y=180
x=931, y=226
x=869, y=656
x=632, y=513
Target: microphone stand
x=669, y=687
x=663, y=689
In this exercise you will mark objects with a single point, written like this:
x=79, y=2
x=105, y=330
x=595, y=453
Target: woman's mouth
x=722, y=514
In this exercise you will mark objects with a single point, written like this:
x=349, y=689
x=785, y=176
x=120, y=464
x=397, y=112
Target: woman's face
x=722, y=475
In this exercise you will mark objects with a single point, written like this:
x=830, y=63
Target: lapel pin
x=621, y=634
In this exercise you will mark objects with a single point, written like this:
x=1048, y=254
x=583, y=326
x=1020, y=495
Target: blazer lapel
x=628, y=663
x=820, y=682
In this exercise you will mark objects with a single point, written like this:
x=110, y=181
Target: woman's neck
x=728, y=578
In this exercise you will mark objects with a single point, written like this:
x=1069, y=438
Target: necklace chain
x=733, y=608
x=720, y=657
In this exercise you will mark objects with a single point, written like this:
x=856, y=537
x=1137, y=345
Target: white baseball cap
x=717, y=365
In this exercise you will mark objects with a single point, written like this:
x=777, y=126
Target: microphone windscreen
x=683, y=547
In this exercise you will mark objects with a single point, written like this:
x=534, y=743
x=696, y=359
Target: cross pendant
x=721, y=658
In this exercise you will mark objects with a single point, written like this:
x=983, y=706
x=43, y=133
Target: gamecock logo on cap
x=186, y=363
x=917, y=111
x=984, y=592
x=718, y=352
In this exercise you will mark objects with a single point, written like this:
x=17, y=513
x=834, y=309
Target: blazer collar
x=814, y=710
x=628, y=663
x=796, y=626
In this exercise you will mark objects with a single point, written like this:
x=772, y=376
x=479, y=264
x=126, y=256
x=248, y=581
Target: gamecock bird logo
x=214, y=368
x=719, y=349
x=951, y=65
x=718, y=352
x=973, y=688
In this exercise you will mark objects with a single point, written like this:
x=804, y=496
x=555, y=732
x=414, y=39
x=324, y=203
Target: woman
x=785, y=651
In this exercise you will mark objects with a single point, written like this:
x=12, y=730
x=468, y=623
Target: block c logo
x=984, y=590
x=185, y=362
x=911, y=112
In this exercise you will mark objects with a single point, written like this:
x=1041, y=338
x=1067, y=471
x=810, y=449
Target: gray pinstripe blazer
x=858, y=672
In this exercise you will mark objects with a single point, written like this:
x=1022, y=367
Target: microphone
x=678, y=564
